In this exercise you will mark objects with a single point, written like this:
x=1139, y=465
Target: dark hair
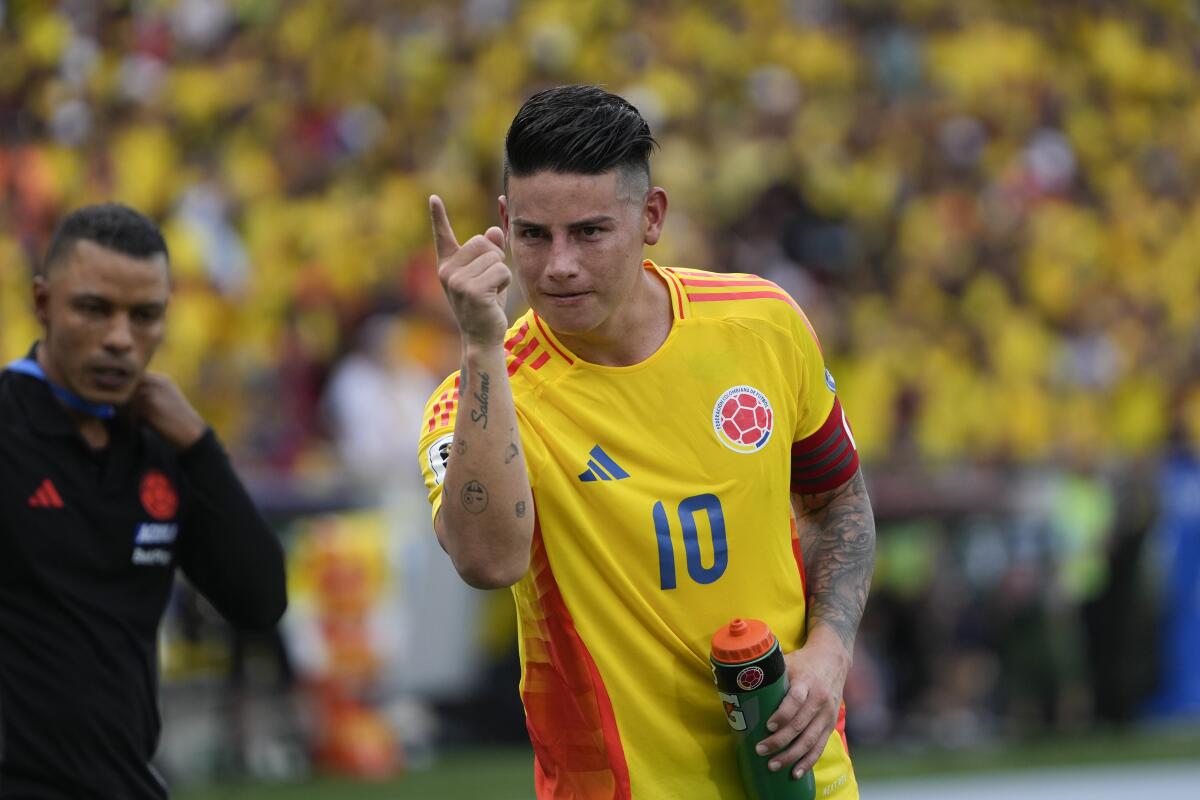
x=577, y=129
x=112, y=226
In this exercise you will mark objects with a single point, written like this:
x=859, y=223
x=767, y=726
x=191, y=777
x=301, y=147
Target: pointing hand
x=475, y=278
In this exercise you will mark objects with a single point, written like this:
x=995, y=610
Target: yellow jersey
x=662, y=501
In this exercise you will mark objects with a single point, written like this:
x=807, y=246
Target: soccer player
x=647, y=453
x=109, y=480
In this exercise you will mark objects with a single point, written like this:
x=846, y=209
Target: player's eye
x=531, y=233
x=91, y=308
x=147, y=316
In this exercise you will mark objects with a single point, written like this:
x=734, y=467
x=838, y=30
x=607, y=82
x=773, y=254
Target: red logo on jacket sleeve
x=158, y=495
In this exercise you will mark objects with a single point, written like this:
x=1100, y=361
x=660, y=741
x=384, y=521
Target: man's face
x=576, y=243
x=103, y=314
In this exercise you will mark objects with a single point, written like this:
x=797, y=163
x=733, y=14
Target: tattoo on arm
x=520, y=509
x=474, y=497
x=481, y=413
x=460, y=446
x=511, y=453
x=837, y=539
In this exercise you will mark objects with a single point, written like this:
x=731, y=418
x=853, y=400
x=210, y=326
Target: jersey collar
x=42, y=403
x=680, y=309
x=30, y=366
x=534, y=324
x=680, y=304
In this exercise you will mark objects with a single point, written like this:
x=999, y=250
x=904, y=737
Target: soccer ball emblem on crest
x=750, y=678
x=742, y=419
x=158, y=495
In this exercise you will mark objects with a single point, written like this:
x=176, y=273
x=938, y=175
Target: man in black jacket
x=109, y=479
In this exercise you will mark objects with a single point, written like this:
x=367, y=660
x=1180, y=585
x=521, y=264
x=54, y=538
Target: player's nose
x=118, y=337
x=563, y=263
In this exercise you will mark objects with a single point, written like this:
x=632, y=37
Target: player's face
x=103, y=314
x=576, y=243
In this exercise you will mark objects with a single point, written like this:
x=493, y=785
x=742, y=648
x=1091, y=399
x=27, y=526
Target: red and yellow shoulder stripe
x=531, y=346
x=709, y=287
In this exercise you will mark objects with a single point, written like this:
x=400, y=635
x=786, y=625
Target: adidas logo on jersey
x=46, y=496
x=601, y=467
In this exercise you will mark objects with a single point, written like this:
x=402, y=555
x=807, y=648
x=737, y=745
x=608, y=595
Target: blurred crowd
x=988, y=211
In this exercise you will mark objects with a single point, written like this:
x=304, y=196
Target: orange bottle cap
x=742, y=640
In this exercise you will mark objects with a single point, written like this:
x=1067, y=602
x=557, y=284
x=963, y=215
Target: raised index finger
x=443, y=235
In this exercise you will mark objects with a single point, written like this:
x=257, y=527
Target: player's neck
x=634, y=334
x=93, y=431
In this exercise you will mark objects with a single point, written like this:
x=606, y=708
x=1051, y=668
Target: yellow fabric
x=655, y=421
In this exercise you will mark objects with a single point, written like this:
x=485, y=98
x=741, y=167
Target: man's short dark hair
x=581, y=130
x=113, y=226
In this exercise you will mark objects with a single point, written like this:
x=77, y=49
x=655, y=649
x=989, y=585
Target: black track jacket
x=89, y=543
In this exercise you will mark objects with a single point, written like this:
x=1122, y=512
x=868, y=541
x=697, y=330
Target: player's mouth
x=566, y=298
x=110, y=378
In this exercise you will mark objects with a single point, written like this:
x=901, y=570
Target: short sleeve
x=437, y=435
x=824, y=455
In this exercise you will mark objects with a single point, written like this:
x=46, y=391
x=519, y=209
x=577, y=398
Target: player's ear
x=654, y=214
x=502, y=201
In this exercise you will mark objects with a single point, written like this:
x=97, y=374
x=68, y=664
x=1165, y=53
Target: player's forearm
x=837, y=539
x=228, y=551
x=486, y=520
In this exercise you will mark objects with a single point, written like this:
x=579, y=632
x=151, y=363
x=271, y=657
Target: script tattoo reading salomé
x=478, y=414
x=475, y=497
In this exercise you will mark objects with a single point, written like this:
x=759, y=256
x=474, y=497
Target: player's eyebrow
x=592, y=222
x=583, y=223
x=89, y=296
x=152, y=307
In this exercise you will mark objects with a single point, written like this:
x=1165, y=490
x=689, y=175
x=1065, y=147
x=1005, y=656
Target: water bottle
x=752, y=681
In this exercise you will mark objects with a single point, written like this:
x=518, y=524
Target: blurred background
x=988, y=210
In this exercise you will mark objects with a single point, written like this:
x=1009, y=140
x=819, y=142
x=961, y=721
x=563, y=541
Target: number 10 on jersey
x=689, y=508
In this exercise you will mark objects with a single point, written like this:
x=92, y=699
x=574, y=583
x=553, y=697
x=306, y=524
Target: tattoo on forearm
x=481, y=413
x=511, y=453
x=520, y=509
x=460, y=446
x=474, y=497
x=837, y=538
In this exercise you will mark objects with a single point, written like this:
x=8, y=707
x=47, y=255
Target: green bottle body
x=751, y=691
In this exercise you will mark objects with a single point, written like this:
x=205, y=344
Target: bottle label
x=749, y=675
x=733, y=711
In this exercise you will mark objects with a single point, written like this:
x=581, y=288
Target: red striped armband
x=826, y=459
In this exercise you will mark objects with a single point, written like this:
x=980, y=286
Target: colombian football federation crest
x=750, y=678
x=742, y=419
x=158, y=495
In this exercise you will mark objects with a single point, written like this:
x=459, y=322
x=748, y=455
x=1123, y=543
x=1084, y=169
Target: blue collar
x=28, y=366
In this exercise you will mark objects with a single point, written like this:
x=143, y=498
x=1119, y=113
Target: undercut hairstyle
x=581, y=130
x=113, y=226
